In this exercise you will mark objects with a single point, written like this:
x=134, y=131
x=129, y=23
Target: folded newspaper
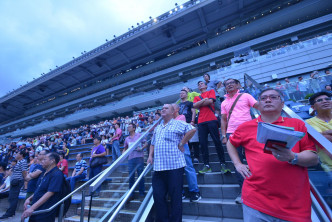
x=268, y=131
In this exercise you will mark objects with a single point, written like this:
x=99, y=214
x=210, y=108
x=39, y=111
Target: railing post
x=62, y=207
x=90, y=204
x=82, y=206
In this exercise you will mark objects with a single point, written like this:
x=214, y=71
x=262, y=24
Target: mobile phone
x=269, y=144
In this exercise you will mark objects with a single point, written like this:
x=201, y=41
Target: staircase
x=218, y=193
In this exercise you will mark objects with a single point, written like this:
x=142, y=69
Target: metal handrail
x=116, y=163
x=127, y=195
x=65, y=198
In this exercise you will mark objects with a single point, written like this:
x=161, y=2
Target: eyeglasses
x=322, y=99
x=229, y=83
x=272, y=97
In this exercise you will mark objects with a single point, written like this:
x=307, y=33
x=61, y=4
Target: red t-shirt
x=205, y=113
x=63, y=163
x=276, y=188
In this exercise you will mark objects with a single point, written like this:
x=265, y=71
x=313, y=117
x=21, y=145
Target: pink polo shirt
x=241, y=111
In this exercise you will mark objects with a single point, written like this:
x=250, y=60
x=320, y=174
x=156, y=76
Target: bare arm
x=239, y=166
x=150, y=159
x=73, y=173
x=188, y=136
x=81, y=171
x=256, y=105
x=24, y=174
x=193, y=111
x=223, y=124
x=328, y=135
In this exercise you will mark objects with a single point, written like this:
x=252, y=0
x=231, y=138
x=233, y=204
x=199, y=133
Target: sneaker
x=206, y=169
x=224, y=169
x=5, y=216
x=195, y=197
x=196, y=160
x=183, y=196
x=238, y=199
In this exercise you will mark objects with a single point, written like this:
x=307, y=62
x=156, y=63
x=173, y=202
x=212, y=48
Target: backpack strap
x=231, y=110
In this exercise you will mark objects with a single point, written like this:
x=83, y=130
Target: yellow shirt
x=322, y=126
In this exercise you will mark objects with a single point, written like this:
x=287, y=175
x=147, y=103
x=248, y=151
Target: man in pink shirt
x=239, y=115
x=116, y=143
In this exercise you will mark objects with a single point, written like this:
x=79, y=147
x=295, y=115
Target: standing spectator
x=98, y=150
x=79, y=172
x=35, y=171
x=19, y=173
x=291, y=89
x=211, y=83
x=328, y=89
x=303, y=87
x=116, y=142
x=135, y=160
x=166, y=151
x=314, y=82
x=63, y=165
x=47, y=192
x=235, y=110
x=322, y=104
x=186, y=108
x=191, y=94
x=282, y=175
x=208, y=124
x=189, y=170
x=328, y=77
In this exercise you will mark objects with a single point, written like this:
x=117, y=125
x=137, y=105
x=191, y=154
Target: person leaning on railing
x=276, y=187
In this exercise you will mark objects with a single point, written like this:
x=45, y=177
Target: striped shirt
x=79, y=165
x=18, y=169
x=166, y=139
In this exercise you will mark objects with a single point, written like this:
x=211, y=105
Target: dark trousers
x=4, y=195
x=72, y=180
x=136, y=164
x=93, y=172
x=203, y=131
x=194, y=146
x=240, y=151
x=14, y=192
x=168, y=182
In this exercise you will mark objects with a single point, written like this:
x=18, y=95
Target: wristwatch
x=294, y=161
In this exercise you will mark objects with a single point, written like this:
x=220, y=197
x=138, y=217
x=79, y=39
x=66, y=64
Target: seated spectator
x=47, y=193
x=2, y=172
x=73, y=142
x=63, y=165
x=64, y=150
x=328, y=89
x=4, y=188
x=79, y=172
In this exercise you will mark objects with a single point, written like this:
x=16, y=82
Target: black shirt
x=185, y=109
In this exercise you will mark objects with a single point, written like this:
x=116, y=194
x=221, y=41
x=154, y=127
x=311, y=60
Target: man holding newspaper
x=276, y=185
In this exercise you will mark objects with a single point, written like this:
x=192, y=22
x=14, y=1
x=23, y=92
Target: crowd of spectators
x=206, y=112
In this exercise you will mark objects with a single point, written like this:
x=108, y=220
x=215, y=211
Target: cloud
x=36, y=35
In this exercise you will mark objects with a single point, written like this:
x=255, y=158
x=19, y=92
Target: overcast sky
x=37, y=35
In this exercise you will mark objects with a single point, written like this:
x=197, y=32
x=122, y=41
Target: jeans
x=93, y=172
x=74, y=179
x=14, y=192
x=240, y=151
x=252, y=215
x=190, y=171
x=168, y=182
x=203, y=131
x=136, y=164
x=115, y=150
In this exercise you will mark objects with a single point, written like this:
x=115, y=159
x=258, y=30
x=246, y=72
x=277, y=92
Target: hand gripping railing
x=319, y=204
x=61, y=202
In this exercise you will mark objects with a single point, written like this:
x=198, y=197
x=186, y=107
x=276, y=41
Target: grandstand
x=169, y=51
x=147, y=67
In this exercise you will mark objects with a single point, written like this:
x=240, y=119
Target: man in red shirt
x=208, y=123
x=276, y=186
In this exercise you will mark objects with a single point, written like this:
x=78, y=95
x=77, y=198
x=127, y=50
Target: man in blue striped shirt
x=79, y=172
x=166, y=152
